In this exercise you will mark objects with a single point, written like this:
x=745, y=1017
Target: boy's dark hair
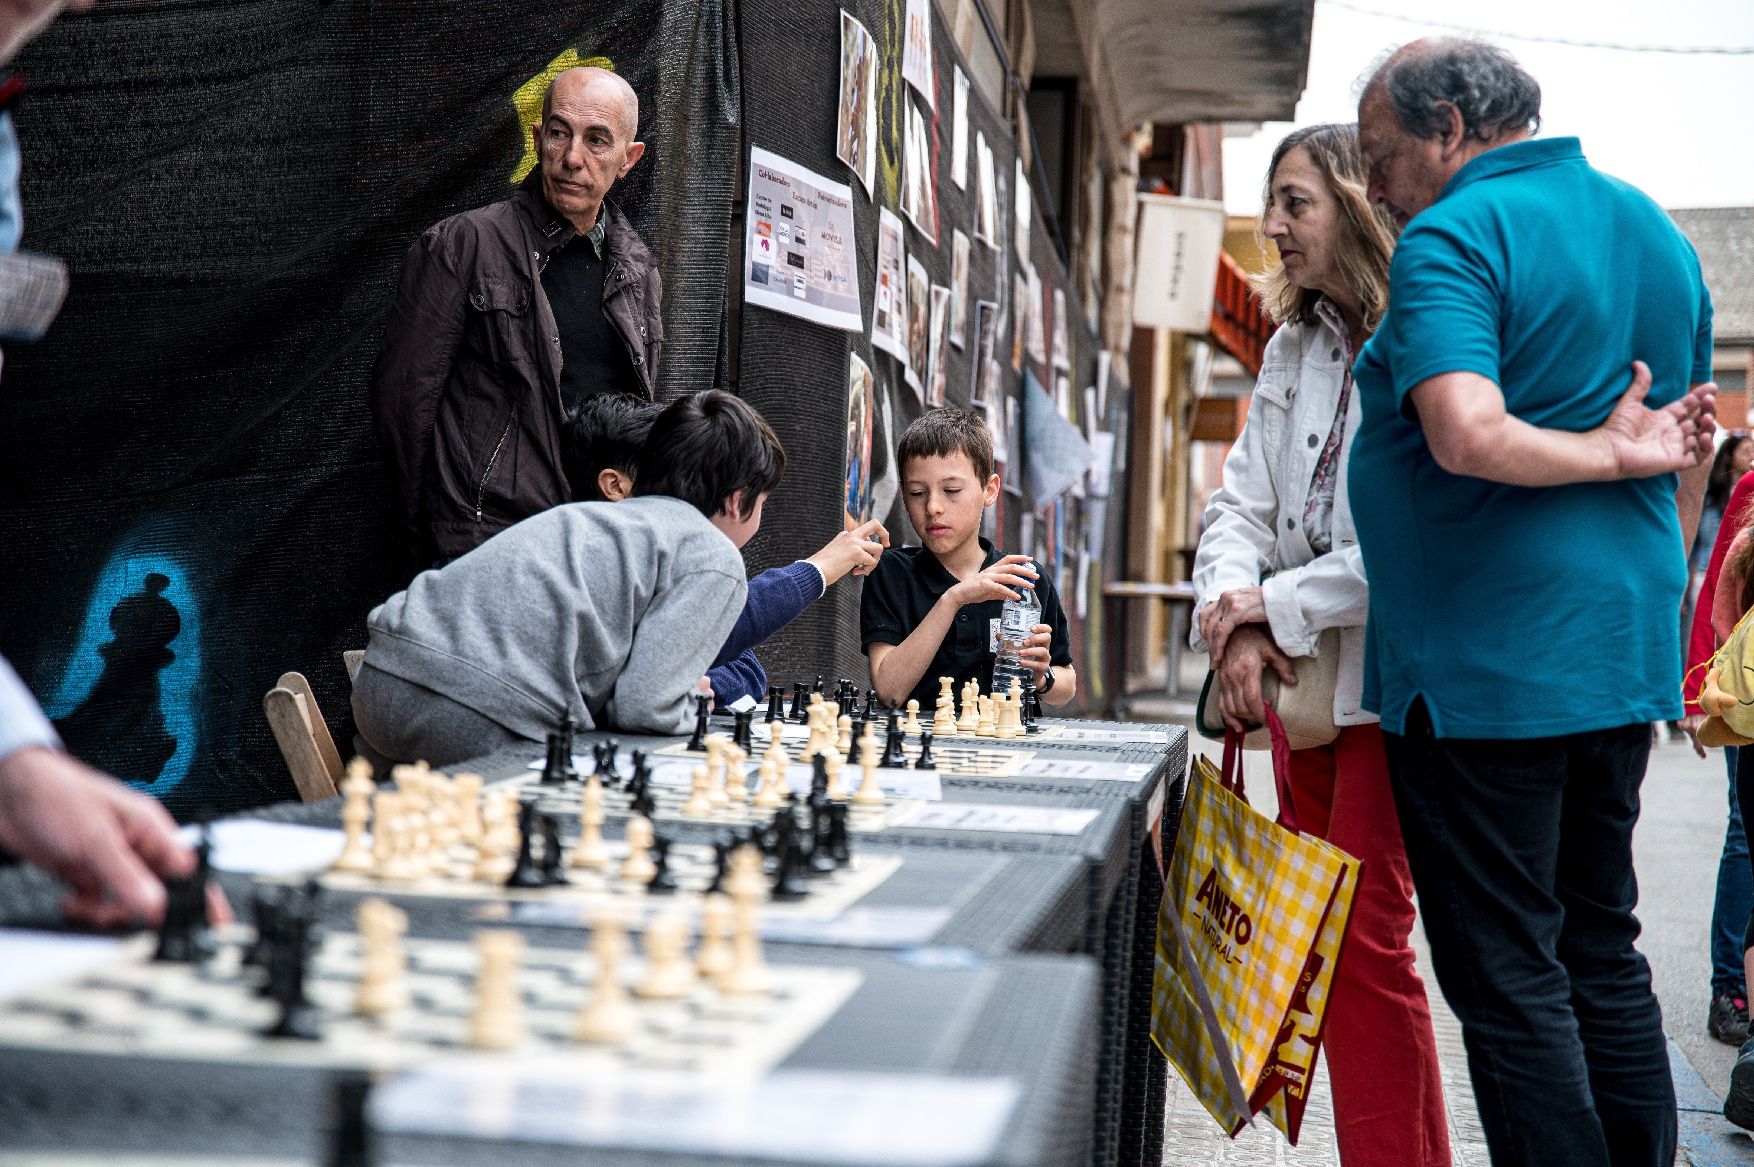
x=607, y=433
x=946, y=430
x=706, y=446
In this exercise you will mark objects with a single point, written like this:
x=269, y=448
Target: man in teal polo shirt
x=1516, y=506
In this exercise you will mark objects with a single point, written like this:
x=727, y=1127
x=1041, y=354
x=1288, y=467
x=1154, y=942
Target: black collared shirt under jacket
x=593, y=357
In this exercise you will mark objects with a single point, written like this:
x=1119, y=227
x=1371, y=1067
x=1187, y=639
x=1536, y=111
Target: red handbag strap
x=1230, y=777
x=1281, y=768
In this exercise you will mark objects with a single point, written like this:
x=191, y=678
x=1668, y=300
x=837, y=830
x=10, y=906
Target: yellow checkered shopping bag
x=1253, y=917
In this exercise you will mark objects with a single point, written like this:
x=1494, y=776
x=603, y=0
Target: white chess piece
x=669, y=973
x=971, y=716
x=700, y=803
x=356, y=853
x=638, y=865
x=467, y=788
x=984, y=727
x=717, y=760
x=747, y=877
x=609, y=1018
x=736, y=776
x=748, y=974
x=591, y=853
x=944, y=724
x=912, y=722
x=382, y=989
x=498, y=1020
x=714, y=955
x=837, y=790
x=844, y=741
x=767, y=793
x=869, y=792
x=497, y=854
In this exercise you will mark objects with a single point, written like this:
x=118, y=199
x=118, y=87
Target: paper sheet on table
x=986, y=816
x=254, y=847
x=790, y=1115
x=1051, y=767
x=922, y=785
x=1128, y=735
x=29, y=959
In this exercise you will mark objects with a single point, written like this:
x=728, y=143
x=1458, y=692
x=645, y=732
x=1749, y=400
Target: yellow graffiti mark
x=527, y=101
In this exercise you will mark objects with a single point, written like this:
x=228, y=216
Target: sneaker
x=1739, y=1102
x=1727, y=1019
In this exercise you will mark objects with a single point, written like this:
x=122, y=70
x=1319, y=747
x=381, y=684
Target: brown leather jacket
x=466, y=393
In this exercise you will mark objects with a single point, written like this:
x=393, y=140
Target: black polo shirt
x=593, y=357
x=908, y=582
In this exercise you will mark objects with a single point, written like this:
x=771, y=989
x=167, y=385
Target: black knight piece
x=185, y=937
x=702, y=710
x=925, y=761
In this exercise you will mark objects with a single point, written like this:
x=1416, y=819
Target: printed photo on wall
x=919, y=180
x=986, y=365
x=919, y=306
x=801, y=256
x=1038, y=344
x=986, y=194
x=861, y=397
x=856, y=138
x=916, y=54
x=939, y=355
x=1021, y=213
x=1019, y=319
x=1062, y=350
x=958, y=289
x=889, y=319
x=959, y=128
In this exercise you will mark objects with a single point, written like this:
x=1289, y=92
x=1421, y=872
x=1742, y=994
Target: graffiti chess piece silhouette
x=119, y=727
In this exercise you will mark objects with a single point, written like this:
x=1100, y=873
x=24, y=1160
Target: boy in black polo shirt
x=933, y=611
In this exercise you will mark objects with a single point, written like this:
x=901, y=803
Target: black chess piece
x=553, y=858
x=870, y=705
x=185, y=937
x=893, y=738
x=821, y=838
x=743, y=730
x=800, y=704
x=527, y=872
x=349, y=1137
x=817, y=687
x=847, y=696
x=643, y=803
x=604, y=753
x=1031, y=712
x=776, y=704
x=120, y=726
x=702, y=710
x=818, y=775
x=722, y=849
x=839, y=844
x=558, y=765
x=925, y=761
x=264, y=903
x=790, y=882
x=662, y=883
x=568, y=734
x=288, y=965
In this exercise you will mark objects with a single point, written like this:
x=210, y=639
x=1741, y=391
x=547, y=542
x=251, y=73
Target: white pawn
x=869, y=792
x=591, y=853
x=467, y=788
x=669, y=973
x=844, y=743
x=912, y=723
x=837, y=790
x=736, y=786
x=700, y=803
x=610, y=1017
x=382, y=962
x=748, y=974
x=716, y=759
x=747, y=877
x=638, y=866
x=767, y=793
x=498, y=1020
x=714, y=955
x=497, y=854
x=971, y=716
x=356, y=853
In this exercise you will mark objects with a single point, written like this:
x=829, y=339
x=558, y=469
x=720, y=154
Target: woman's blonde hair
x=1364, y=244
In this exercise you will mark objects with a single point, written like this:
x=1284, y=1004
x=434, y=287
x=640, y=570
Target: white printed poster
x=855, y=140
x=959, y=128
x=986, y=193
x=889, y=321
x=916, y=56
x=801, y=255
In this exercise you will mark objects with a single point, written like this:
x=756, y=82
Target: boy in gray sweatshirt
x=608, y=611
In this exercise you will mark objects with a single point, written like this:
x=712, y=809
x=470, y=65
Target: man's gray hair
x=1492, y=92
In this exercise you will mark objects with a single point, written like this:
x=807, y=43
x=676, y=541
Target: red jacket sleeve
x=1701, y=640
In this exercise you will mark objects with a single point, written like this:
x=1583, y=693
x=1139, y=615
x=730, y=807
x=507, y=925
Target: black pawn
x=184, y=937
x=776, y=704
x=697, y=743
x=662, y=883
x=925, y=761
x=838, y=843
x=553, y=858
x=527, y=872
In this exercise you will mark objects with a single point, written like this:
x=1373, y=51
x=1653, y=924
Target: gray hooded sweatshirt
x=609, y=611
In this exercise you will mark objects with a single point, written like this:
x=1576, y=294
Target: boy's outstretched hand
x=1001, y=581
x=855, y=551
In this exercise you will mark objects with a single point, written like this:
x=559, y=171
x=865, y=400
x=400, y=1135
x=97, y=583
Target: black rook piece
x=800, y=704
x=743, y=735
x=776, y=704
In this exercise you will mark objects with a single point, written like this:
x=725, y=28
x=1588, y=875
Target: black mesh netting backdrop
x=190, y=492
x=189, y=485
x=795, y=371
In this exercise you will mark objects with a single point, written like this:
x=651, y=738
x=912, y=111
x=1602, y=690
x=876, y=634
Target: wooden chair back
x=303, y=737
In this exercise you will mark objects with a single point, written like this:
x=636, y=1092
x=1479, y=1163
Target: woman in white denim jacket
x=1277, y=565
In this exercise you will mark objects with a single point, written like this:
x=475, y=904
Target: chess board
x=669, y=795
x=959, y=757
x=590, y=892
x=134, y=1007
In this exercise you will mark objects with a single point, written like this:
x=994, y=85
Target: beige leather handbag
x=1306, y=708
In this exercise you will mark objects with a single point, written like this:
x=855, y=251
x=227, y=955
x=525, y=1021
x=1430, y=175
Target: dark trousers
x=1522, y=855
x=1731, y=907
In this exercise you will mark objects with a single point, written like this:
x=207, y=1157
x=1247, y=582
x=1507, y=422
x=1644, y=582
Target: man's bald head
x=608, y=84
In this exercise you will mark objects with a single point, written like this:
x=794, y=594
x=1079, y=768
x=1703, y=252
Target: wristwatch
x=1047, y=688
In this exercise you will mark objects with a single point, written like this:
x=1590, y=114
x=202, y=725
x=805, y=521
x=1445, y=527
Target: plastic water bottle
x=1014, y=627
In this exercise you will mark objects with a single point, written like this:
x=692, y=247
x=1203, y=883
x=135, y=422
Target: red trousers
x=1381, y=1051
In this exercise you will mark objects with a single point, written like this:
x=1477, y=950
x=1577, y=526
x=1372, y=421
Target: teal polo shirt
x=1516, y=612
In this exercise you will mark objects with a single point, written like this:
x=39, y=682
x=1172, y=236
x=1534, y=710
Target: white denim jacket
x=1254, y=522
